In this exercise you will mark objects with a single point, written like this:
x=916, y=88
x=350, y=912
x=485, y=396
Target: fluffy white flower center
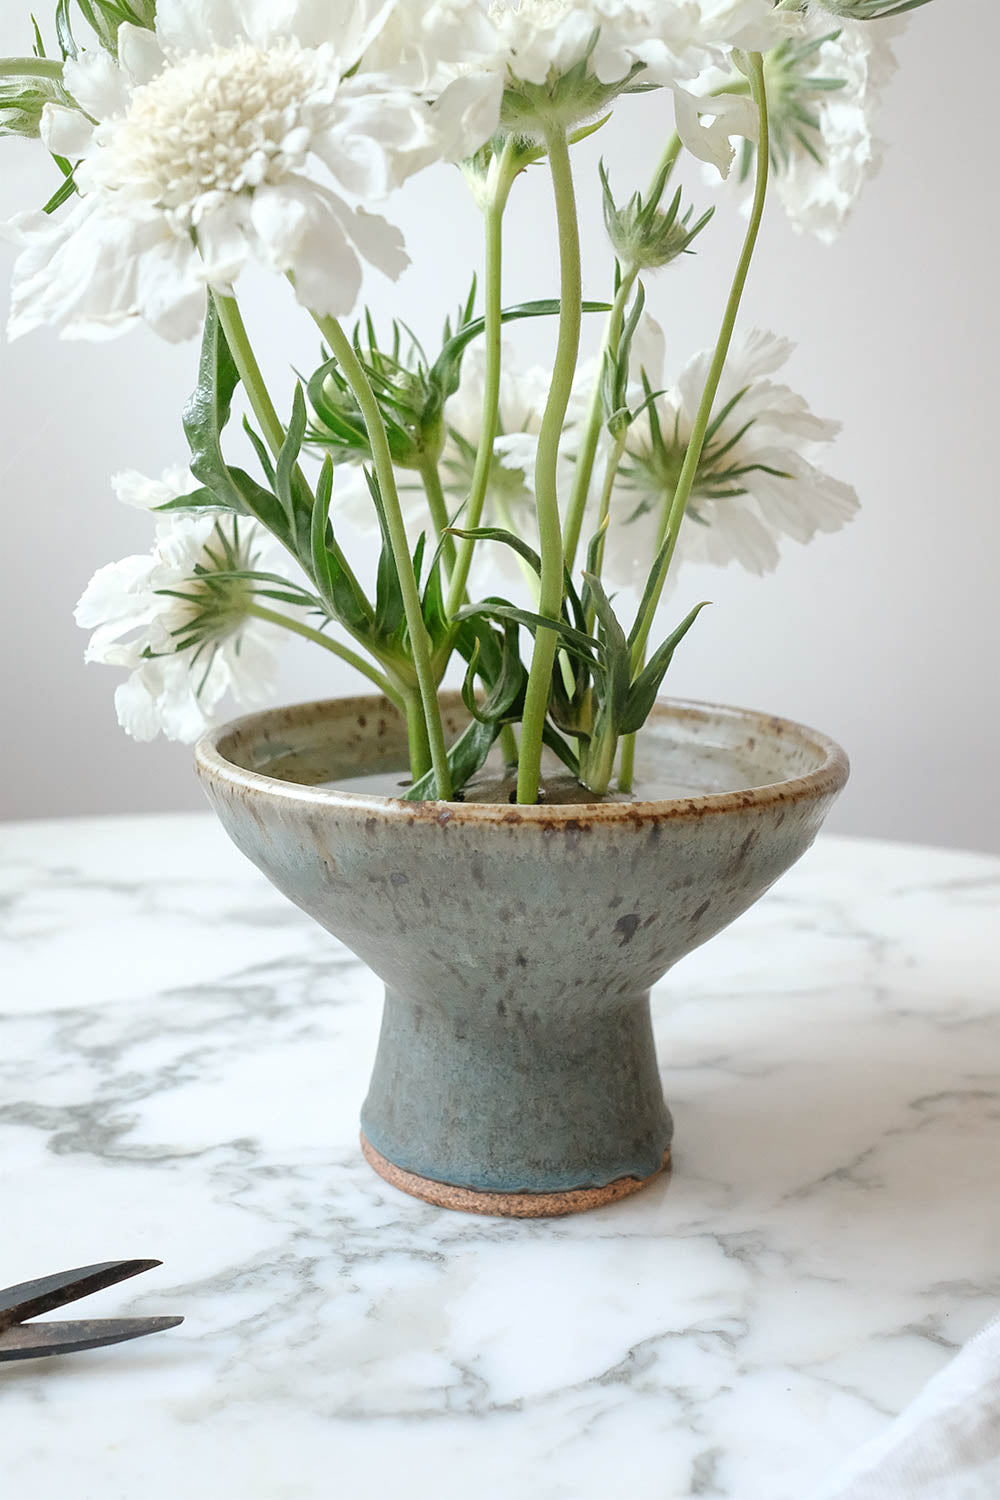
x=222, y=122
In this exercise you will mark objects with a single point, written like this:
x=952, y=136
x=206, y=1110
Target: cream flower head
x=182, y=632
x=227, y=137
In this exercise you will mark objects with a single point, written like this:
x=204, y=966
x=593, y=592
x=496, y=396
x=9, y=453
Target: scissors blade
x=32, y=1298
x=39, y=1340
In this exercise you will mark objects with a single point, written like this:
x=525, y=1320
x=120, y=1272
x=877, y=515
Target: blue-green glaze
x=518, y=945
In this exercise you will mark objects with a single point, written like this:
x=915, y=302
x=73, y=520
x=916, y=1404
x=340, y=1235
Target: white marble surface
x=182, y=1060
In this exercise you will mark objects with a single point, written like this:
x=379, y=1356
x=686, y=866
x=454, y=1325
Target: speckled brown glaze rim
x=507, y=1205
x=826, y=780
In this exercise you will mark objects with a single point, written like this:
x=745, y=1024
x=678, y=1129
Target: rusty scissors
x=20, y=1339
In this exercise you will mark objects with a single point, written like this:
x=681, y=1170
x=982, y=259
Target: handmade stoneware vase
x=516, y=1072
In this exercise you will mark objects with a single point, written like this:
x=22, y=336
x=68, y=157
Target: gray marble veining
x=182, y=1060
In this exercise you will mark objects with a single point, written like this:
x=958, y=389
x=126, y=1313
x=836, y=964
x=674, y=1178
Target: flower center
x=221, y=122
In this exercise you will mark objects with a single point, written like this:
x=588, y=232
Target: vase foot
x=507, y=1205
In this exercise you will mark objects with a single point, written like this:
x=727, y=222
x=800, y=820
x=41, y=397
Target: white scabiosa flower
x=228, y=137
x=530, y=65
x=825, y=91
x=181, y=630
x=758, y=479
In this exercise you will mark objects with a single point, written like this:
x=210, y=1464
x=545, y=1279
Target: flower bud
x=22, y=101
x=644, y=236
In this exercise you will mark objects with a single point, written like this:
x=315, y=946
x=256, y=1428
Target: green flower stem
x=431, y=477
x=595, y=419
x=31, y=67
x=297, y=627
x=626, y=767
x=610, y=475
x=341, y=346
x=612, y=333
x=550, y=594
x=501, y=179
x=508, y=744
x=416, y=733
x=252, y=380
x=258, y=395
x=673, y=516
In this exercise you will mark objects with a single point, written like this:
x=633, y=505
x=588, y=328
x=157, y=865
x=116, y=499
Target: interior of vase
x=685, y=750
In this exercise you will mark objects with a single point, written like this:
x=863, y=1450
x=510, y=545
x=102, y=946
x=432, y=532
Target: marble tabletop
x=182, y=1061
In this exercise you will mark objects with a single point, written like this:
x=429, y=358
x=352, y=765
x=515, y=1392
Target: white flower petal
x=139, y=53
x=116, y=593
x=728, y=115
x=222, y=240
x=352, y=25
x=136, y=708
x=65, y=132
x=300, y=231
x=467, y=112
x=736, y=534
x=377, y=140
x=380, y=242
x=170, y=292
x=97, y=84
x=144, y=493
x=195, y=25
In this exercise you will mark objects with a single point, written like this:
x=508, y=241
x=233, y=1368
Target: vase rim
x=213, y=756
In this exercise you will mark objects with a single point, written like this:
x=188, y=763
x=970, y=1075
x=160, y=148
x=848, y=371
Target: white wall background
x=886, y=636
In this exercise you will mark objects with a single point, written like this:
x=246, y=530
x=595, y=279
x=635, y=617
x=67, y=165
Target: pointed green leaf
x=646, y=686
x=498, y=534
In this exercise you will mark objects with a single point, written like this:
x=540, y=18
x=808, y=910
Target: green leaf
x=209, y=408
x=433, y=603
x=64, y=32
x=205, y=418
x=498, y=534
x=499, y=609
x=322, y=563
x=467, y=756
x=200, y=500
x=504, y=703
x=390, y=611
x=559, y=747
x=617, y=656
x=341, y=596
x=445, y=373
x=293, y=501
x=62, y=194
x=646, y=686
x=649, y=591
x=262, y=451
x=256, y=501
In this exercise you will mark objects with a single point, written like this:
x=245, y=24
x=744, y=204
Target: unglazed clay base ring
x=507, y=1205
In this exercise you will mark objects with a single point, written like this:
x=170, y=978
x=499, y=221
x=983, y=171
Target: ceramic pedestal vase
x=516, y=1072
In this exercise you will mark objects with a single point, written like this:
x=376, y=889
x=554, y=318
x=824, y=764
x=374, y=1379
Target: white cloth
x=945, y=1446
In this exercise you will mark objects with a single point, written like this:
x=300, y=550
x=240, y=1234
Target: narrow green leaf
x=646, y=686
x=288, y=458
x=64, y=32
x=649, y=591
x=318, y=530
x=389, y=608
x=498, y=534
x=573, y=640
x=617, y=656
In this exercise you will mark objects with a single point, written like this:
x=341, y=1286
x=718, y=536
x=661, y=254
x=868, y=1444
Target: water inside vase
x=497, y=783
